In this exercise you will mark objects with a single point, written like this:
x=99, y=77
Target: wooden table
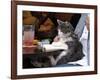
x=29, y=49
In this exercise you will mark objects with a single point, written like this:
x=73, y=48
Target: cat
x=72, y=53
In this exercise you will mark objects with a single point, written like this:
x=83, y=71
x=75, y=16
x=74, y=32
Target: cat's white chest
x=61, y=36
x=64, y=37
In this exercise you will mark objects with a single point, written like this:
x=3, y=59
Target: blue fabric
x=80, y=25
x=85, y=41
x=88, y=48
x=67, y=65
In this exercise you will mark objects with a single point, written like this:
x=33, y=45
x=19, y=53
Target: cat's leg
x=60, y=56
x=63, y=53
x=53, y=61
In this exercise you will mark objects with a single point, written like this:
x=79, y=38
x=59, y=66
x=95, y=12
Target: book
x=55, y=46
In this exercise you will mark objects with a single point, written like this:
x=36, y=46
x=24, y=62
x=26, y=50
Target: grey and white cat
x=72, y=53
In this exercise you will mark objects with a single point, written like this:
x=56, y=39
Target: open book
x=55, y=46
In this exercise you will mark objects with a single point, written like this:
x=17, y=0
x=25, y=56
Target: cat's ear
x=59, y=22
x=66, y=22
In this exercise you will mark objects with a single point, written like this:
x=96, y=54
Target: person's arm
x=88, y=23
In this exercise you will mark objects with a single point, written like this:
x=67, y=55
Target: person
x=47, y=27
x=83, y=32
x=85, y=40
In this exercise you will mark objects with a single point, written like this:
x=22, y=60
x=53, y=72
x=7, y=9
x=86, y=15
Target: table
x=29, y=49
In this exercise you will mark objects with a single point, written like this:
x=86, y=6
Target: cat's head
x=65, y=27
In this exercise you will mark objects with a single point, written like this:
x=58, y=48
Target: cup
x=28, y=35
